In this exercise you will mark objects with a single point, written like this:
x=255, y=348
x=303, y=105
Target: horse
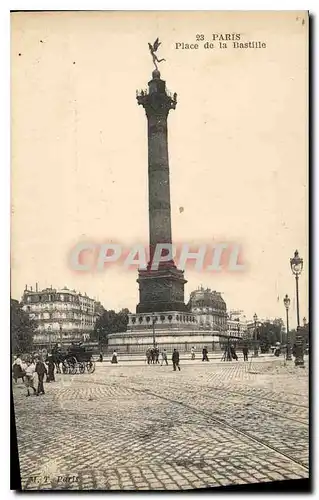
x=57, y=358
x=18, y=372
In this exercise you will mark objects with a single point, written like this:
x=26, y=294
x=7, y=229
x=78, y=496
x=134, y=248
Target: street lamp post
x=98, y=338
x=255, y=344
x=296, y=264
x=153, y=325
x=50, y=346
x=61, y=335
x=287, y=304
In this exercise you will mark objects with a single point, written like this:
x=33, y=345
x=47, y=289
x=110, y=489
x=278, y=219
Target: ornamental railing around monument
x=145, y=92
x=140, y=349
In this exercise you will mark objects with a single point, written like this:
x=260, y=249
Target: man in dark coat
x=175, y=360
x=153, y=355
x=156, y=353
x=41, y=370
x=50, y=375
x=233, y=353
x=205, y=352
x=245, y=353
x=148, y=356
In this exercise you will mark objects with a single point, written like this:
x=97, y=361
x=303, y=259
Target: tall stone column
x=162, y=289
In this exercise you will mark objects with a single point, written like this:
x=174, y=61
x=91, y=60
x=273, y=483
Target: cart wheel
x=81, y=367
x=73, y=364
x=90, y=366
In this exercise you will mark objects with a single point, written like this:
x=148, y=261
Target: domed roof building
x=210, y=309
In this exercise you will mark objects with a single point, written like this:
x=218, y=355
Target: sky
x=237, y=148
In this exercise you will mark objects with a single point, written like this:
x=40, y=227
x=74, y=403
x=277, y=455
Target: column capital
x=156, y=100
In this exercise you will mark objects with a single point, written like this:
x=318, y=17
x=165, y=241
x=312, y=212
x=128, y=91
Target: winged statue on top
x=153, y=49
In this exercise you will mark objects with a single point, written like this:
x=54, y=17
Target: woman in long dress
x=114, y=357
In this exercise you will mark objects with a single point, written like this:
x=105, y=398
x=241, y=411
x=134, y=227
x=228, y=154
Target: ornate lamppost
x=296, y=264
x=306, y=334
x=287, y=304
x=154, y=319
x=255, y=343
x=50, y=345
x=98, y=337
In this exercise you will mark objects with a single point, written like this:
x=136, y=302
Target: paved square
x=146, y=427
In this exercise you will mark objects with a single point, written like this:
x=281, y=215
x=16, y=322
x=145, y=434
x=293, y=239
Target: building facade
x=62, y=315
x=210, y=309
x=237, y=324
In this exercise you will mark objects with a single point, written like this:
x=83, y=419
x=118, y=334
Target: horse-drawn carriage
x=77, y=358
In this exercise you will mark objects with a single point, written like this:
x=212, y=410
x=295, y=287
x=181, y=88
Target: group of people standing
x=27, y=370
x=153, y=354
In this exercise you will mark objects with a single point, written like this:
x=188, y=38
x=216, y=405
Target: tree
x=270, y=332
x=22, y=328
x=122, y=320
x=110, y=322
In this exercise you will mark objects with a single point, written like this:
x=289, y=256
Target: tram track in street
x=223, y=423
x=219, y=421
x=244, y=395
x=260, y=398
x=248, y=396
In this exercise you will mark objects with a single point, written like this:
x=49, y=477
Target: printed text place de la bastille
x=220, y=41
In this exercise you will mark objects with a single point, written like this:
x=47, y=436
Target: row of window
x=67, y=315
x=209, y=309
x=216, y=319
x=60, y=297
x=201, y=303
x=55, y=329
x=53, y=297
x=51, y=306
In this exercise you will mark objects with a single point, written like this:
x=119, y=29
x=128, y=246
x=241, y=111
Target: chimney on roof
x=31, y=288
x=36, y=286
x=26, y=287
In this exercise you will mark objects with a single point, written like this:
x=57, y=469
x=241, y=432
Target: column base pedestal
x=161, y=290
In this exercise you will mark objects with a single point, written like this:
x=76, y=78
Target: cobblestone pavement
x=149, y=428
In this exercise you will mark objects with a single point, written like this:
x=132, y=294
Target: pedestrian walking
x=40, y=370
x=17, y=369
x=245, y=353
x=156, y=353
x=164, y=357
x=175, y=360
x=51, y=367
x=153, y=355
x=29, y=377
x=193, y=353
x=233, y=353
x=101, y=357
x=148, y=356
x=277, y=349
x=205, y=354
x=114, y=357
